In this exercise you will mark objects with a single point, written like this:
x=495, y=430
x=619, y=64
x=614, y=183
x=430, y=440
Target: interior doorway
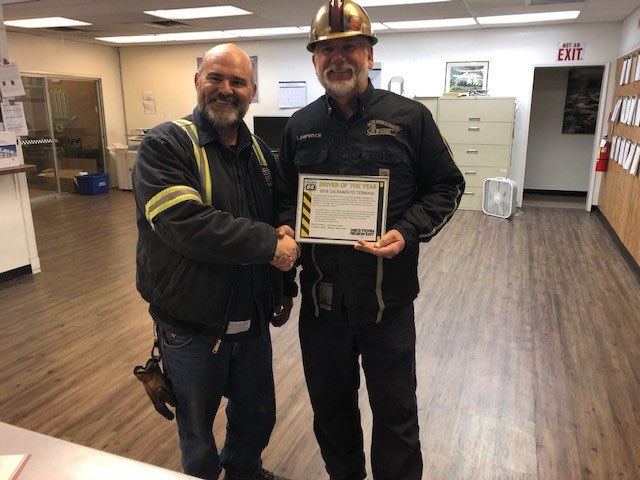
x=564, y=116
x=66, y=131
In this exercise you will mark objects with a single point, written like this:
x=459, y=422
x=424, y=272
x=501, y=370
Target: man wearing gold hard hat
x=357, y=299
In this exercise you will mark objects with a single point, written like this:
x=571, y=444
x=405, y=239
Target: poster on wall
x=582, y=100
x=466, y=76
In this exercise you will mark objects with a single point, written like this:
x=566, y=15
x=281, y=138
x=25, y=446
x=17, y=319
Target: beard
x=222, y=111
x=343, y=88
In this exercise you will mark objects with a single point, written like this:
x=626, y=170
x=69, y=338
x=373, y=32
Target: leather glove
x=281, y=315
x=157, y=385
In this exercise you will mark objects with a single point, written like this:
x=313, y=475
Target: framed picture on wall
x=466, y=76
x=582, y=100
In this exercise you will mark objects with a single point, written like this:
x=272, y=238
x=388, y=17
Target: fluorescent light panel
x=529, y=17
x=436, y=23
x=169, y=37
x=210, y=35
x=199, y=12
x=385, y=3
x=47, y=22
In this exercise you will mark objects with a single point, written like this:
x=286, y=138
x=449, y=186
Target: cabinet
x=479, y=131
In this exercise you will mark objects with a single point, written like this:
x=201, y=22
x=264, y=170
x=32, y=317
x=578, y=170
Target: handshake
x=287, y=250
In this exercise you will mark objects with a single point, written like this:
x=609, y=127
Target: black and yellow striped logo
x=305, y=221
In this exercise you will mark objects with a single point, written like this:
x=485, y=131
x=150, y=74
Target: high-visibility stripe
x=200, y=155
x=456, y=201
x=314, y=287
x=379, y=274
x=169, y=197
x=258, y=151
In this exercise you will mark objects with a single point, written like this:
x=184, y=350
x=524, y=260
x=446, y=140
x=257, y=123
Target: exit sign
x=570, y=51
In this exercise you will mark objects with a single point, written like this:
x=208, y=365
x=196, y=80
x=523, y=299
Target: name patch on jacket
x=380, y=127
x=309, y=135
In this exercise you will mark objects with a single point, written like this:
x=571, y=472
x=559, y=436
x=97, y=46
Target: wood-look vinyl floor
x=528, y=349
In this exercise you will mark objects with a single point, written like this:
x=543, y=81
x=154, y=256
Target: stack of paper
x=12, y=465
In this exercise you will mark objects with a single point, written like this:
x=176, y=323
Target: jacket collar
x=359, y=104
x=208, y=134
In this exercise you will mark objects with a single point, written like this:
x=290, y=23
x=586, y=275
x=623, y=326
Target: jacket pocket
x=309, y=160
x=176, y=277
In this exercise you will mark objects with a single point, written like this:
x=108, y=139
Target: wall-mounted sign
x=570, y=51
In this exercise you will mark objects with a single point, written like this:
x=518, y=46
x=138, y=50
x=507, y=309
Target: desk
x=19, y=169
x=19, y=253
x=56, y=459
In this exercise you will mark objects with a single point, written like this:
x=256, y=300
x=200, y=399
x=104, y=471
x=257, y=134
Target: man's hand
x=281, y=315
x=286, y=253
x=287, y=230
x=388, y=246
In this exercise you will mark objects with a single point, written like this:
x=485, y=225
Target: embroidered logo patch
x=380, y=127
x=267, y=176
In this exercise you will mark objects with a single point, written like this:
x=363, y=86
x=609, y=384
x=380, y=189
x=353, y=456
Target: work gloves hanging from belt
x=157, y=385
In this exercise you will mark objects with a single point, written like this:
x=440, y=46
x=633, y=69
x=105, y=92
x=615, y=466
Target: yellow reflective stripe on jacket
x=456, y=201
x=200, y=155
x=258, y=151
x=169, y=197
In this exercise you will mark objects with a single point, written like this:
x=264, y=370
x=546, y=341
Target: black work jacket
x=386, y=135
x=187, y=263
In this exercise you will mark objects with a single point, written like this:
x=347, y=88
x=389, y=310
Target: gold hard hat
x=337, y=19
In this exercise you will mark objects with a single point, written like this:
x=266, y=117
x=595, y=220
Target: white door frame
x=599, y=124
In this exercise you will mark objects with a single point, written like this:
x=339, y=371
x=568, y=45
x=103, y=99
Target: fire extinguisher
x=603, y=155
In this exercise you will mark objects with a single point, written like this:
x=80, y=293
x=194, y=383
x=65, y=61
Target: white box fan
x=499, y=197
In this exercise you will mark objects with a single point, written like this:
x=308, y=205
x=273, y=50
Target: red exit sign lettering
x=570, y=51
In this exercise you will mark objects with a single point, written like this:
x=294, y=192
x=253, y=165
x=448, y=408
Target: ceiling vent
x=66, y=29
x=164, y=24
x=551, y=2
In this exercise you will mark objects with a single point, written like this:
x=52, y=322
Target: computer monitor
x=270, y=130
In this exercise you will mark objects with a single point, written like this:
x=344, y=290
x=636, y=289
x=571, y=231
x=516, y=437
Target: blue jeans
x=242, y=372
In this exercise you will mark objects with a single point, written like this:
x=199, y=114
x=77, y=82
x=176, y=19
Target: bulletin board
x=619, y=199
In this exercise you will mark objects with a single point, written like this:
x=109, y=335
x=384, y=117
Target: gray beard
x=222, y=120
x=343, y=88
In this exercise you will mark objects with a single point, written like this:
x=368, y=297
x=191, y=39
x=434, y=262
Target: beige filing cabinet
x=126, y=159
x=479, y=131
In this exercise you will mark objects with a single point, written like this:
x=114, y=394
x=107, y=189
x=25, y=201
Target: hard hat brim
x=312, y=45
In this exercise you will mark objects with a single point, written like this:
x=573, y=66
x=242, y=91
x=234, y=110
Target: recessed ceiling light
x=47, y=22
x=199, y=12
x=169, y=37
x=259, y=32
x=529, y=17
x=436, y=23
x=385, y=3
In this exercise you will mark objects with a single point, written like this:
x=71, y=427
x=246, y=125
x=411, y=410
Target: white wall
x=630, y=37
x=555, y=161
x=419, y=57
x=62, y=57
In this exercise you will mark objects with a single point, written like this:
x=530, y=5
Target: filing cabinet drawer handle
x=470, y=172
x=469, y=193
x=474, y=119
x=474, y=129
x=472, y=150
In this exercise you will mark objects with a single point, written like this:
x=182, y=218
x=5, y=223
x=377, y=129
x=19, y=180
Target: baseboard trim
x=15, y=273
x=626, y=254
x=561, y=193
